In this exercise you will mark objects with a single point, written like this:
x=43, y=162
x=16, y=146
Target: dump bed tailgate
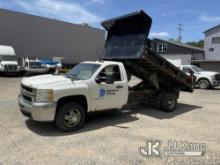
x=127, y=35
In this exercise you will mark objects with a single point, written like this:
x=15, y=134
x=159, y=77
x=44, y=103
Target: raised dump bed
x=127, y=41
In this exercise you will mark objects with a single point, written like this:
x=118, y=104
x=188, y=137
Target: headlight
x=44, y=95
x=1, y=66
x=213, y=77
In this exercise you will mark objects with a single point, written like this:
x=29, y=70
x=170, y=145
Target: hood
x=207, y=73
x=9, y=62
x=46, y=81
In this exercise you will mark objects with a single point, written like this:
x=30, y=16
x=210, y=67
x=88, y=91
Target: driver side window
x=111, y=72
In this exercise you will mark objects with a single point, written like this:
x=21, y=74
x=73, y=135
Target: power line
x=180, y=29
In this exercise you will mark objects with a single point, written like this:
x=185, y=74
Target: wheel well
x=80, y=99
x=202, y=79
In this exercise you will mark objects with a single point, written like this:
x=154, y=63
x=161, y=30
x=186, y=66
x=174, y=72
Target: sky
x=196, y=16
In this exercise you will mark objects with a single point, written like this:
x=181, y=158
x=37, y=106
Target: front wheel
x=204, y=84
x=70, y=117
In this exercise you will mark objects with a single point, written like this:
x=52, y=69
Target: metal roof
x=217, y=26
x=182, y=45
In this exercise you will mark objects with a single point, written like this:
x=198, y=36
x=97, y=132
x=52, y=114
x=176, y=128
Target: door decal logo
x=101, y=92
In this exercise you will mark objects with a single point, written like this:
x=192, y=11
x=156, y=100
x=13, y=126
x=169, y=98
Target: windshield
x=196, y=69
x=7, y=58
x=82, y=71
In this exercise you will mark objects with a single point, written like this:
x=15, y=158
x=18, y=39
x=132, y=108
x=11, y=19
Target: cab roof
x=6, y=50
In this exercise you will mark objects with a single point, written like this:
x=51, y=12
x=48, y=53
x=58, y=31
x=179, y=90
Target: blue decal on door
x=101, y=92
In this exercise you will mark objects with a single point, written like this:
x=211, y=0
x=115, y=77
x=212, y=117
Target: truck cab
x=8, y=60
x=92, y=86
x=204, y=79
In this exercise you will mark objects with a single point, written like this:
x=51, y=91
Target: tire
x=26, y=73
x=70, y=117
x=167, y=101
x=204, y=84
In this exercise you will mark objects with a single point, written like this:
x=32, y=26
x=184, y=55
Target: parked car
x=204, y=79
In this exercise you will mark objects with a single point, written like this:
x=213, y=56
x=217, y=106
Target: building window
x=216, y=40
x=211, y=49
x=162, y=47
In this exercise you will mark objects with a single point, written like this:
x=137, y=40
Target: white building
x=212, y=43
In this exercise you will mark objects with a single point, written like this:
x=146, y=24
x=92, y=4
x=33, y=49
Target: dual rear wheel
x=167, y=101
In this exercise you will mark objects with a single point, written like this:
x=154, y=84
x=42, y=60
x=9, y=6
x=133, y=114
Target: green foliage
x=172, y=40
x=196, y=43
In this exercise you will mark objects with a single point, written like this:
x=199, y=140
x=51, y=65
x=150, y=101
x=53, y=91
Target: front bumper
x=38, y=111
x=215, y=83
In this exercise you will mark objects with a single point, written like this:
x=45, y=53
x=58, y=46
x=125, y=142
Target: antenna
x=180, y=29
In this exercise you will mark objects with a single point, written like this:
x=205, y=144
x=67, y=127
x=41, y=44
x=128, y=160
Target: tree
x=199, y=43
x=172, y=40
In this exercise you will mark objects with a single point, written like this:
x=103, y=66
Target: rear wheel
x=167, y=101
x=204, y=84
x=70, y=117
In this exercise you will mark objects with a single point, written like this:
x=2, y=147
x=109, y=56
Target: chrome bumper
x=215, y=83
x=37, y=111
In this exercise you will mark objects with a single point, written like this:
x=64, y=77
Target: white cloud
x=159, y=34
x=208, y=18
x=178, y=12
x=61, y=10
x=98, y=1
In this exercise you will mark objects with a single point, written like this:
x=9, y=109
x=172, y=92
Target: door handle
x=119, y=86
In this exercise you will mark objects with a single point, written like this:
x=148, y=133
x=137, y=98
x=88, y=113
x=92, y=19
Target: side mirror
x=109, y=81
x=104, y=79
x=191, y=72
x=98, y=80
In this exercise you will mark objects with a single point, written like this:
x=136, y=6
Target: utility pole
x=180, y=29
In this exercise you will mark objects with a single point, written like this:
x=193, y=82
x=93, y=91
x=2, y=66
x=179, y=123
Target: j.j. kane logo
x=152, y=148
x=173, y=149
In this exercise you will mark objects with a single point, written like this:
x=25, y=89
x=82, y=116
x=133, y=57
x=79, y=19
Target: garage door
x=176, y=62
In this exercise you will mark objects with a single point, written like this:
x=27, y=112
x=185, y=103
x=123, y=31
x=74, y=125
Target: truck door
x=111, y=91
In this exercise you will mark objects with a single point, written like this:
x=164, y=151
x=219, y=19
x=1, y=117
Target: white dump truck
x=101, y=85
x=204, y=79
x=8, y=60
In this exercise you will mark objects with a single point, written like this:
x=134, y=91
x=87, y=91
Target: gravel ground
x=110, y=137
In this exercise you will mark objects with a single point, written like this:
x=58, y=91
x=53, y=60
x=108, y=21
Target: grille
x=10, y=67
x=217, y=76
x=27, y=98
x=27, y=88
